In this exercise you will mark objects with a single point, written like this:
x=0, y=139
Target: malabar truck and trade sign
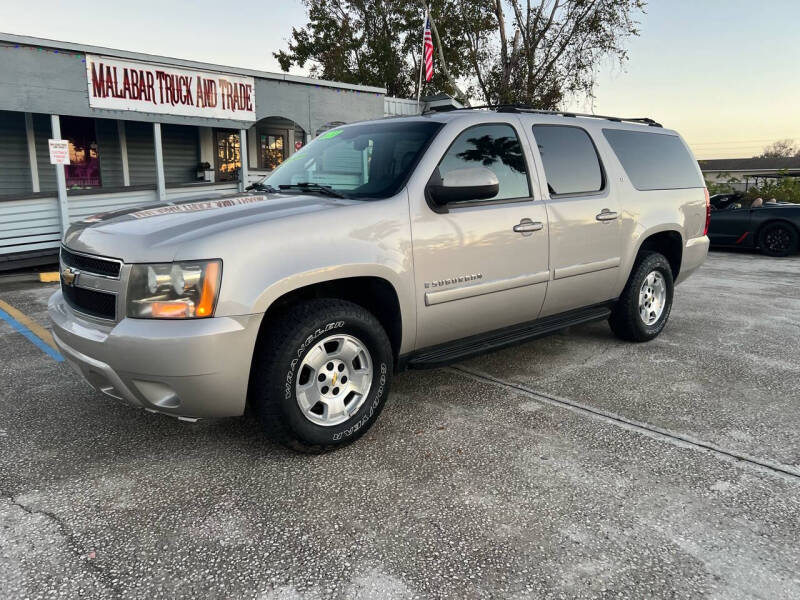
x=126, y=85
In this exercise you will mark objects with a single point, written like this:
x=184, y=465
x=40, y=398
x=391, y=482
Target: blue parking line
x=19, y=327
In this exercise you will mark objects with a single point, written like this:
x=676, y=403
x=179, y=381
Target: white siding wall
x=29, y=225
x=398, y=107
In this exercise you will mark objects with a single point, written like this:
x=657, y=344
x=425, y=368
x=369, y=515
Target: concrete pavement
x=576, y=466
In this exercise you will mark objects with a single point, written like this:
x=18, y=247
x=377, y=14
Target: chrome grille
x=91, y=284
x=91, y=264
x=97, y=304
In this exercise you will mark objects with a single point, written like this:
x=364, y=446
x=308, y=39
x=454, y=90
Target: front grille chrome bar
x=87, y=263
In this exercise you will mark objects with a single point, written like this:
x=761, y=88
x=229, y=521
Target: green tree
x=783, y=189
x=500, y=51
x=379, y=42
x=781, y=149
x=722, y=186
x=549, y=49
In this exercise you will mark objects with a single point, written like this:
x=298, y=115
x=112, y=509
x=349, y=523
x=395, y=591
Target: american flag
x=427, y=49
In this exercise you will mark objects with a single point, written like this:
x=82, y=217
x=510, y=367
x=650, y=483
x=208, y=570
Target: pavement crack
x=66, y=533
x=672, y=437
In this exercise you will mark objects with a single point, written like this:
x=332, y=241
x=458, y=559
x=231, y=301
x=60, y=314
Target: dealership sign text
x=145, y=87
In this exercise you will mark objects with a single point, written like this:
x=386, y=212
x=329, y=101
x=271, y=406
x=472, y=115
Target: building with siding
x=141, y=129
x=406, y=107
x=742, y=173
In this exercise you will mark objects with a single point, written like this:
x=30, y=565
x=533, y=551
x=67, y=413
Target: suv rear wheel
x=644, y=306
x=321, y=375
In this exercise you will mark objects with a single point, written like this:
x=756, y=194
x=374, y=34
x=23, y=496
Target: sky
x=724, y=73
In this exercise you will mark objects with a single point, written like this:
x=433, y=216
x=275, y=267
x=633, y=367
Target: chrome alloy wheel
x=652, y=298
x=333, y=380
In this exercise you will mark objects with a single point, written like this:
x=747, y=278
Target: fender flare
x=297, y=281
x=645, y=234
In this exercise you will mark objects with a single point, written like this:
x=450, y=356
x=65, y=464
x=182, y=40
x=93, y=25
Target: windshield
x=372, y=160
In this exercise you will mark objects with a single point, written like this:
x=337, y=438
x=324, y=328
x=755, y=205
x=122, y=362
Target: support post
x=290, y=141
x=61, y=180
x=161, y=186
x=252, y=145
x=243, y=156
x=34, y=166
x=123, y=151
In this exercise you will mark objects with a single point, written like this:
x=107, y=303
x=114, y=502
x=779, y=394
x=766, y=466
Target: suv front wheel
x=644, y=306
x=321, y=375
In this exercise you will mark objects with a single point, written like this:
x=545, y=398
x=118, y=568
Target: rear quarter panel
x=648, y=212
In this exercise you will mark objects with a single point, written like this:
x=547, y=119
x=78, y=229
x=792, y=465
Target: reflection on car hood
x=154, y=232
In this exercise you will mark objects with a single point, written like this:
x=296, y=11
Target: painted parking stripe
x=35, y=333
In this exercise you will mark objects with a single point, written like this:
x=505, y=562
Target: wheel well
x=668, y=243
x=372, y=293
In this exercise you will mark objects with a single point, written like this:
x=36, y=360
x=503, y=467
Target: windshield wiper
x=307, y=186
x=262, y=187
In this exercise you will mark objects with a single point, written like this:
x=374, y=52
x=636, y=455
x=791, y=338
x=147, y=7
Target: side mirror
x=461, y=185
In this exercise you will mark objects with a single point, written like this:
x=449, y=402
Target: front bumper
x=192, y=368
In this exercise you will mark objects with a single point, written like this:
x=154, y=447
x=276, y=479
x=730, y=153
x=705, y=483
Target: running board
x=444, y=354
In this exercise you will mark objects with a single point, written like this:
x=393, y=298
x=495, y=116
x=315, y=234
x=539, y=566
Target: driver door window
x=497, y=148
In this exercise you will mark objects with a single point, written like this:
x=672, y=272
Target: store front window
x=228, y=154
x=273, y=150
x=84, y=168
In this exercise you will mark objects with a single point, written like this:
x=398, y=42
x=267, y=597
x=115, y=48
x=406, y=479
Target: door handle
x=526, y=226
x=606, y=215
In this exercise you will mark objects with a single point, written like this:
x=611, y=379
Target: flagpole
x=422, y=55
x=444, y=63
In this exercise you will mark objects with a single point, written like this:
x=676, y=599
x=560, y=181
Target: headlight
x=182, y=290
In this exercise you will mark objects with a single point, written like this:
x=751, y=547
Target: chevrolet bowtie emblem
x=333, y=381
x=69, y=276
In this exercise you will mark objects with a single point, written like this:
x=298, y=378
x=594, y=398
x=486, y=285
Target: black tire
x=625, y=320
x=278, y=358
x=778, y=239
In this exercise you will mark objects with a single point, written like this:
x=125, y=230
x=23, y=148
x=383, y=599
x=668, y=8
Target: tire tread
x=624, y=320
x=284, y=327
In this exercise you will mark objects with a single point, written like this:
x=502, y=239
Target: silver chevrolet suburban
x=381, y=246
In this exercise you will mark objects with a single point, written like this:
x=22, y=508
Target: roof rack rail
x=437, y=109
x=563, y=113
x=525, y=108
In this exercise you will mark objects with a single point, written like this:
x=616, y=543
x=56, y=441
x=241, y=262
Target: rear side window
x=495, y=147
x=654, y=161
x=570, y=160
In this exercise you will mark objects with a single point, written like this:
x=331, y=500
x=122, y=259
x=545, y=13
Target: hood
x=155, y=232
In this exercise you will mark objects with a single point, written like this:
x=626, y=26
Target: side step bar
x=444, y=354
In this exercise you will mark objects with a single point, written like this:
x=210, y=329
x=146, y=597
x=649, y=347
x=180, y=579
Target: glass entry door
x=83, y=170
x=227, y=154
x=272, y=149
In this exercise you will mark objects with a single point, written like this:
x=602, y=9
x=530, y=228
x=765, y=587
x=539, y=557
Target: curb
x=46, y=277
